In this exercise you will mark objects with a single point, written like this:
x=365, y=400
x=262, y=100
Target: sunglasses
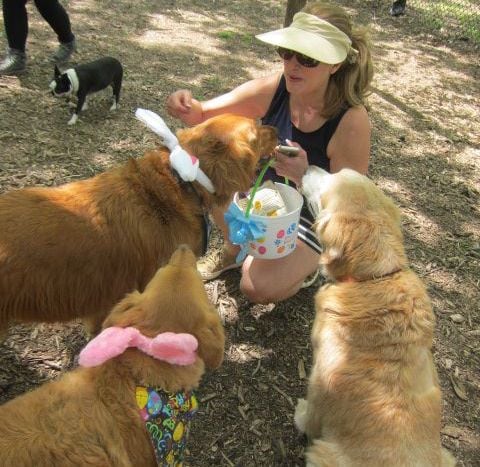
x=305, y=61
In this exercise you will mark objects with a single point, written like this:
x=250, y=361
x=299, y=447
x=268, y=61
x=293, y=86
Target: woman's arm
x=350, y=144
x=250, y=99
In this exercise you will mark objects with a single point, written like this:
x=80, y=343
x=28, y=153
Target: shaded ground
x=426, y=148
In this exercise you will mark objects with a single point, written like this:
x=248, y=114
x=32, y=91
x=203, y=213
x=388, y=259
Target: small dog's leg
x=78, y=109
x=73, y=119
x=85, y=104
x=116, y=85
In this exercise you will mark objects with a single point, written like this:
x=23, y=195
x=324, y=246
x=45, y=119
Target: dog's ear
x=361, y=245
x=267, y=139
x=125, y=313
x=211, y=340
x=56, y=72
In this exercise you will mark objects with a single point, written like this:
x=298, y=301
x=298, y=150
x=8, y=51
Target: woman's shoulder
x=354, y=118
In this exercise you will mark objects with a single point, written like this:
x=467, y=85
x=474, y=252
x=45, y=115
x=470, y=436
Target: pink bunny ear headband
x=178, y=349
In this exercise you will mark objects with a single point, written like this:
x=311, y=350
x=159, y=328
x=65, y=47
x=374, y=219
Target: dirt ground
x=426, y=155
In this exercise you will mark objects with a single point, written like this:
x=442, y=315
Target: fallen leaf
x=302, y=374
x=459, y=388
x=452, y=431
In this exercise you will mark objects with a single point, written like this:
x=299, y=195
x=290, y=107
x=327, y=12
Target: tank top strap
x=278, y=114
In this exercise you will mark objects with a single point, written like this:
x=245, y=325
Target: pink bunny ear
x=178, y=349
x=109, y=343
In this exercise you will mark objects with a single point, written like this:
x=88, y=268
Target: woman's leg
x=16, y=23
x=273, y=280
x=56, y=16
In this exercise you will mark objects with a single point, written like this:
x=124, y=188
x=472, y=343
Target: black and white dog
x=86, y=79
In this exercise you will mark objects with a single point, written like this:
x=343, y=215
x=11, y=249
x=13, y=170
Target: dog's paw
x=114, y=106
x=73, y=120
x=301, y=415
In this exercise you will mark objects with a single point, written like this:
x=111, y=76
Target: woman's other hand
x=182, y=105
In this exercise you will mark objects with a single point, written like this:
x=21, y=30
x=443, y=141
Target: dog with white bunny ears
x=75, y=250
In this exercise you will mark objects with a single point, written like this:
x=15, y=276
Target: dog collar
x=206, y=224
x=375, y=278
x=167, y=417
x=72, y=76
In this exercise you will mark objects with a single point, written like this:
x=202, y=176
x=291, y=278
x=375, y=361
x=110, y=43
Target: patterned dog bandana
x=167, y=417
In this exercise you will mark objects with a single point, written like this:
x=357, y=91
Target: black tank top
x=315, y=142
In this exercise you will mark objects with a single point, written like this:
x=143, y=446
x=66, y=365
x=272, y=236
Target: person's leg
x=16, y=23
x=273, y=280
x=16, y=29
x=56, y=16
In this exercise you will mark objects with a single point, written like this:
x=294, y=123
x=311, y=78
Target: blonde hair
x=350, y=84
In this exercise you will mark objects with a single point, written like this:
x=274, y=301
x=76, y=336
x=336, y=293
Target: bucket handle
x=256, y=185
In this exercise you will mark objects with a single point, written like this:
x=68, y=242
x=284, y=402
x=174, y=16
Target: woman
x=317, y=104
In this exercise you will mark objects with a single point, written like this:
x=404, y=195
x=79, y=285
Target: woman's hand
x=182, y=105
x=291, y=167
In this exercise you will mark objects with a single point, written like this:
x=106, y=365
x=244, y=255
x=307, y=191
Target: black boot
x=398, y=7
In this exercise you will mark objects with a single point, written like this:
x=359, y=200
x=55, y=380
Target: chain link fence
x=453, y=18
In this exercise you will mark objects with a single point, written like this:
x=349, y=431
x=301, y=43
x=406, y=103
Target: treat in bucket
x=265, y=223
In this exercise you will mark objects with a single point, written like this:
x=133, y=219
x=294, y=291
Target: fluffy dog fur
x=75, y=250
x=90, y=416
x=373, y=396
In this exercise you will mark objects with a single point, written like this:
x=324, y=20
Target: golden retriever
x=93, y=415
x=75, y=250
x=373, y=396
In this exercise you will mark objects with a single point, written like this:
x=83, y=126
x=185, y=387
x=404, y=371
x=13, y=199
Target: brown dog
x=373, y=396
x=75, y=250
x=103, y=415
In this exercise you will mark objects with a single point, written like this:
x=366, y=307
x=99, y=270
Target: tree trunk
x=293, y=6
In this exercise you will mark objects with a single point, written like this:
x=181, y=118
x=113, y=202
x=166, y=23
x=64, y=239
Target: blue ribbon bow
x=242, y=229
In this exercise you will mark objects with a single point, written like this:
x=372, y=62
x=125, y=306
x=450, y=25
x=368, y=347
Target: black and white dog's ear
x=57, y=72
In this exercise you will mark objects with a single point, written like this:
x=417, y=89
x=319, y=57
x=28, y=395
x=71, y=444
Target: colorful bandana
x=167, y=416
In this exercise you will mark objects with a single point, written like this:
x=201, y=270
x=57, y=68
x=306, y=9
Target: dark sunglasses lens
x=306, y=61
x=285, y=53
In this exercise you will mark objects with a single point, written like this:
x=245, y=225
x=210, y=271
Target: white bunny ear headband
x=187, y=166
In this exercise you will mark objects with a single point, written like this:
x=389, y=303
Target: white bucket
x=281, y=231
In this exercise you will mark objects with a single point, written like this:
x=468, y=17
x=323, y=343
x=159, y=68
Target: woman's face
x=304, y=80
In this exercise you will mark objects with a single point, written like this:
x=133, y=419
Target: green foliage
x=233, y=36
x=459, y=18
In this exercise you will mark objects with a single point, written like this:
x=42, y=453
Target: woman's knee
x=264, y=287
x=256, y=292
